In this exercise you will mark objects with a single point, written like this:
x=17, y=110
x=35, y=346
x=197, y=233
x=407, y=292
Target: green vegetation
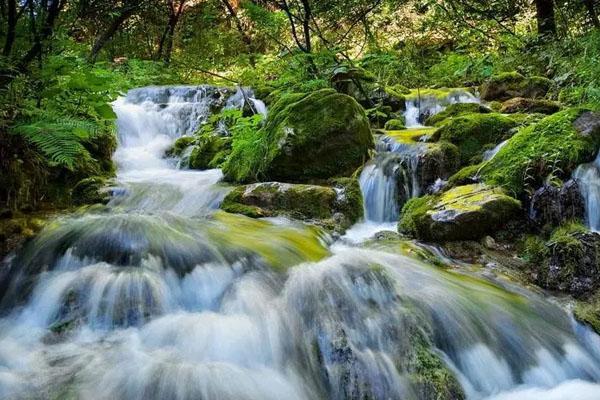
x=455, y=110
x=552, y=147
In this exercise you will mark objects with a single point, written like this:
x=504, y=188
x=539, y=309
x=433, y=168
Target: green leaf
x=105, y=111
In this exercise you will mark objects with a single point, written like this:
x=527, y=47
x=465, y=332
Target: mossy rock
x=336, y=206
x=588, y=311
x=472, y=132
x=555, y=145
x=210, y=151
x=512, y=84
x=320, y=135
x=180, y=145
x=523, y=105
x=91, y=190
x=395, y=125
x=569, y=261
x=455, y=110
x=463, y=213
x=466, y=176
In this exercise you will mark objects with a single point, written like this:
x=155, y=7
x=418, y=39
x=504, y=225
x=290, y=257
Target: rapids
x=158, y=295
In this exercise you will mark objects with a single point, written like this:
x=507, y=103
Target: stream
x=159, y=295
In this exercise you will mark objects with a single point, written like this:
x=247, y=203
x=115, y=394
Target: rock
x=394, y=125
x=463, y=213
x=588, y=123
x=336, y=206
x=180, y=145
x=91, y=191
x=552, y=147
x=455, y=110
x=439, y=161
x=555, y=205
x=523, y=105
x=389, y=97
x=210, y=151
x=573, y=261
x=472, y=132
x=320, y=135
x=508, y=85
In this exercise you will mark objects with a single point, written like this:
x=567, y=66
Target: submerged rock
x=319, y=135
x=338, y=206
x=512, y=84
x=463, y=213
x=523, y=105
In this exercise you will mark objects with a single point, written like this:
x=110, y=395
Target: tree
x=545, y=17
x=165, y=46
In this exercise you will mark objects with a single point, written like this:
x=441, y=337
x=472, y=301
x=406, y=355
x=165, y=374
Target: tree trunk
x=11, y=13
x=165, y=46
x=545, y=17
x=238, y=24
x=101, y=41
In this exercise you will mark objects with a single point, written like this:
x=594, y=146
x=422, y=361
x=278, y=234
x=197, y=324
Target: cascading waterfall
x=159, y=296
x=588, y=178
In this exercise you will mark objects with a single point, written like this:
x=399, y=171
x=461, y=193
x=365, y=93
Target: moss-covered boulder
x=336, y=207
x=180, y=145
x=463, y=213
x=319, y=135
x=455, y=110
x=524, y=105
x=512, y=84
x=395, y=124
x=588, y=311
x=210, y=151
x=473, y=132
x=554, y=146
x=569, y=261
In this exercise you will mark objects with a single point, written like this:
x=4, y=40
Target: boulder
x=554, y=146
x=336, y=206
x=524, y=105
x=320, y=135
x=394, y=125
x=455, y=110
x=463, y=213
x=572, y=262
x=552, y=205
x=180, y=145
x=512, y=84
x=210, y=151
x=472, y=132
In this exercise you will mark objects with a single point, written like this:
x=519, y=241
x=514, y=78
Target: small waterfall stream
x=421, y=105
x=588, y=178
x=160, y=296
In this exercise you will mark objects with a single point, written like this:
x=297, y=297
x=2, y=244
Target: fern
x=61, y=142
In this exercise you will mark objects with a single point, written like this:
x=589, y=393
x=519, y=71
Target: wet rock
x=573, y=262
x=523, y=105
x=588, y=123
x=455, y=110
x=91, y=191
x=554, y=205
x=463, y=213
x=338, y=206
x=508, y=85
x=394, y=125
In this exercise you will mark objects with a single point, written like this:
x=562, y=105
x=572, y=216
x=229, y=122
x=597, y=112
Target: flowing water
x=422, y=106
x=160, y=296
x=588, y=178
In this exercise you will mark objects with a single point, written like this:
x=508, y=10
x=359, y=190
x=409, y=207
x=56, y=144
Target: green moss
x=397, y=91
x=523, y=105
x=410, y=135
x=454, y=110
x=209, y=152
x=535, y=251
x=472, y=132
x=588, y=312
x=462, y=213
x=180, y=145
x=90, y=191
x=440, y=94
x=306, y=136
x=551, y=146
x=465, y=176
x=349, y=201
x=394, y=125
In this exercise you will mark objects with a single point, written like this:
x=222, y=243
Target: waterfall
x=421, y=105
x=490, y=154
x=588, y=178
x=160, y=296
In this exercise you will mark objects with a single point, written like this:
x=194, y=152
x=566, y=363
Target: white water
x=588, y=178
x=490, y=154
x=421, y=107
x=156, y=307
